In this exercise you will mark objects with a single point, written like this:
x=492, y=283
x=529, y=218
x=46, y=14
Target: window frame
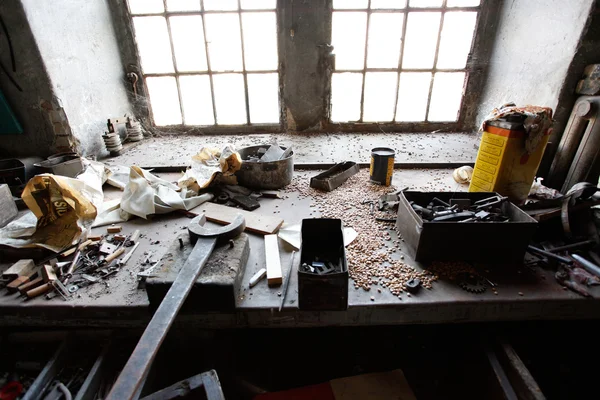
x=476, y=73
x=215, y=128
x=474, y=76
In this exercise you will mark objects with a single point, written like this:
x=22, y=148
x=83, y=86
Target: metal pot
x=264, y=175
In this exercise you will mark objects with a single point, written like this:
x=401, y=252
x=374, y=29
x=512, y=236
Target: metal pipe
x=587, y=265
x=547, y=254
x=572, y=246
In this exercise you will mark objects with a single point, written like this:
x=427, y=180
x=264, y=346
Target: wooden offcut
x=48, y=273
x=114, y=229
x=257, y=223
x=14, y=285
x=274, y=276
x=20, y=268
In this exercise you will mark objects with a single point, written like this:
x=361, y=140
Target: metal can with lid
x=382, y=165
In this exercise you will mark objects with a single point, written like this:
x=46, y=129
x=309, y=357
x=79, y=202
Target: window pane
x=385, y=30
x=153, y=44
x=388, y=4
x=218, y=5
x=380, y=92
x=425, y=3
x=197, y=100
x=164, y=100
x=183, y=5
x=457, y=35
x=260, y=40
x=146, y=6
x=349, y=4
x=224, y=43
x=346, y=89
x=412, y=96
x=263, y=91
x=258, y=4
x=446, y=96
x=230, y=99
x=421, y=39
x=463, y=3
x=348, y=38
x=188, y=43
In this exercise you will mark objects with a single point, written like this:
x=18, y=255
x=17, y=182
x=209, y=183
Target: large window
x=215, y=64
x=399, y=62
x=208, y=62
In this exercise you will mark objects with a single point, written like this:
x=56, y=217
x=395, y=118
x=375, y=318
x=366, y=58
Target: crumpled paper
x=146, y=194
x=61, y=210
x=207, y=164
x=538, y=121
x=540, y=191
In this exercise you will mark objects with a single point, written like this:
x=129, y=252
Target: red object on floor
x=11, y=390
x=321, y=391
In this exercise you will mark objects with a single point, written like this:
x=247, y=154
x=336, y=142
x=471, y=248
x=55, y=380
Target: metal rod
x=400, y=59
x=131, y=378
x=191, y=13
x=547, y=254
x=572, y=246
x=364, y=73
x=435, y=59
x=287, y=280
x=208, y=66
x=168, y=21
x=245, y=73
x=587, y=265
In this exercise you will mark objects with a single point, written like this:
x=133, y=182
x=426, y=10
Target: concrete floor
x=422, y=149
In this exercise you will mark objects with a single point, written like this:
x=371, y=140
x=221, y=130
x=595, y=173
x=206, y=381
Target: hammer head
x=222, y=234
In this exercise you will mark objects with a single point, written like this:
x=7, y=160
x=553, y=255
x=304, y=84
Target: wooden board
x=257, y=223
x=274, y=276
x=20, y=268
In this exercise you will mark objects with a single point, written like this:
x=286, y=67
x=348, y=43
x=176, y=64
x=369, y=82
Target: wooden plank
x=20, y=268
x=274, y=276
x=257, y=223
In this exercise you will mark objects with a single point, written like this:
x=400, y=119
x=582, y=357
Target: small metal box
x=323, y=241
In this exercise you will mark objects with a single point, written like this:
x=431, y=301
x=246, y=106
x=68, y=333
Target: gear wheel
x=472, y=283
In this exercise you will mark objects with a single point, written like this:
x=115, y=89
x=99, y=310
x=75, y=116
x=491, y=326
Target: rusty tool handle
x=132, y=377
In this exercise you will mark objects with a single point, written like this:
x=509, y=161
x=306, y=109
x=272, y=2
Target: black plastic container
x=323, y=239
x=495, y=242
x=382, y=165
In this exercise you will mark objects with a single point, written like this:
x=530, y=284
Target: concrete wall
x=38, y=136
x=534, y=46
x=80, y=52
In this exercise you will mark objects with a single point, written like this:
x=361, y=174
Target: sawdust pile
x=370, y=255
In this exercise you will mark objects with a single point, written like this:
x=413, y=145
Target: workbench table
x=523, y=293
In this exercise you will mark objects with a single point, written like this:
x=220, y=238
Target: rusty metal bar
x=408, y=9
x=364, y=70
x=168, y=21
x=435, y=58
x=186, y=13
x=400, y=58
x=244, y=72
x=208, y=67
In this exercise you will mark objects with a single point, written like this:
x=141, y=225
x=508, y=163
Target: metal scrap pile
x=94, y=260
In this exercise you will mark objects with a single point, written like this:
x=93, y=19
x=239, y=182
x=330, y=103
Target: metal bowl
x=264, y=175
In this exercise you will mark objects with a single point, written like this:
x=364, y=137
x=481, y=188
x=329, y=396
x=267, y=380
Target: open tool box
x=323, y=270
x=469, y=239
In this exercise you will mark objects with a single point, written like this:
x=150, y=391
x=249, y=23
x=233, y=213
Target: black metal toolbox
x=463, y=241
x=323, y=241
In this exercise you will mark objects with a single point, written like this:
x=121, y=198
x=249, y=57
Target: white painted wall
x=80, y=51
x=535, y=43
